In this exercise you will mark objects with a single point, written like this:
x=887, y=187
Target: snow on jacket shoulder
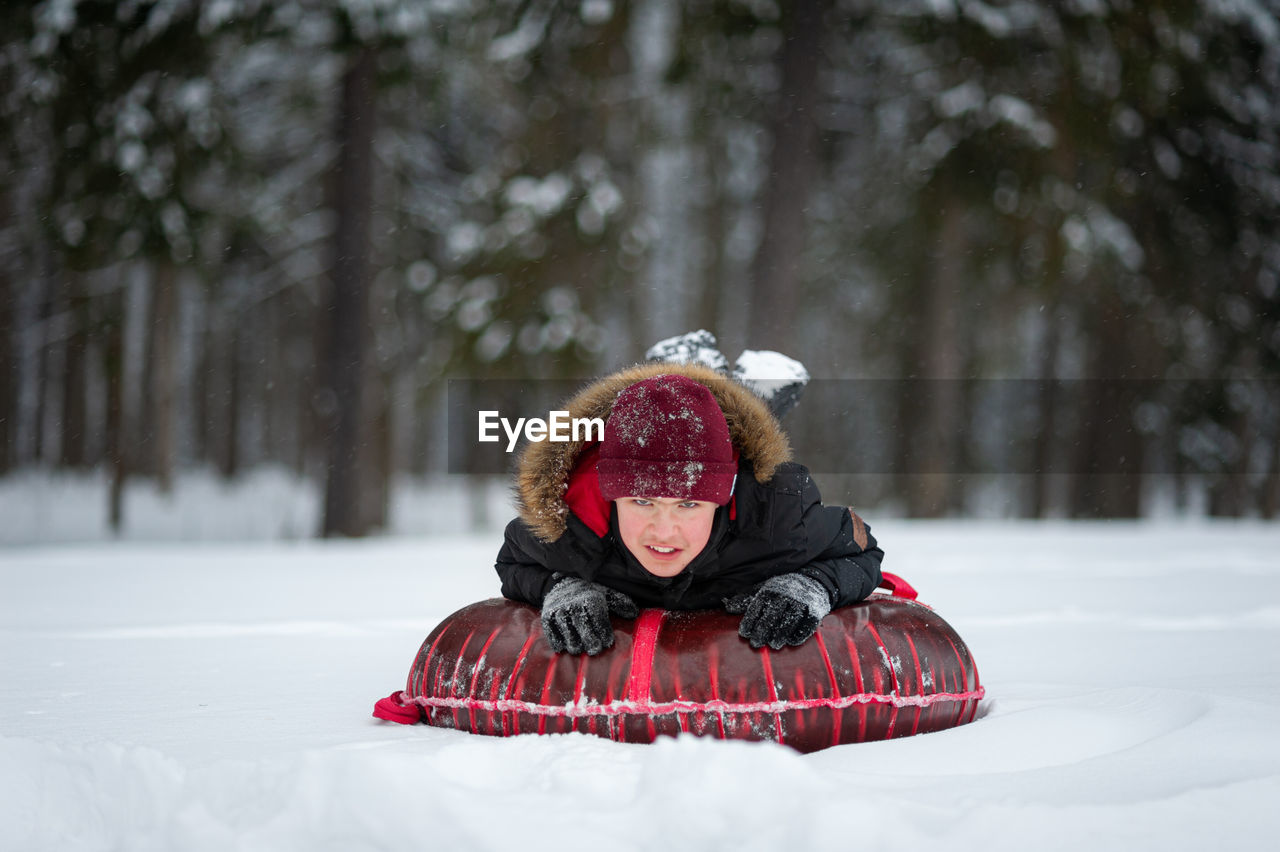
x=775, y=524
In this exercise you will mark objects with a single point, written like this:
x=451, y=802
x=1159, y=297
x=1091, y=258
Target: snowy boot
x=773, y=377
x=695, y=347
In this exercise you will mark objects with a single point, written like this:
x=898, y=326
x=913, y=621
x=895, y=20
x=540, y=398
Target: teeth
x=663, y=549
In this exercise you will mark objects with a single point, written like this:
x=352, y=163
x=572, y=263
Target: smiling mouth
x=662, y=551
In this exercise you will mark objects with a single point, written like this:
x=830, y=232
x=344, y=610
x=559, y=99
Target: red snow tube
x=885, y=667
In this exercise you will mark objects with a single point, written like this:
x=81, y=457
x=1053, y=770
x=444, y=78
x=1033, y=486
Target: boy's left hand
x=785, y=610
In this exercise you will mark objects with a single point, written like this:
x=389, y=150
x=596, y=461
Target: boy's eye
x=640, y=501
x=688, y=504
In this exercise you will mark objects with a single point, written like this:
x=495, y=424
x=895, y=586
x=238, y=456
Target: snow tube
x=885, y=667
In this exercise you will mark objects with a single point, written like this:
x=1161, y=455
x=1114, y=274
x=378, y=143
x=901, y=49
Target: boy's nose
x=663, y=524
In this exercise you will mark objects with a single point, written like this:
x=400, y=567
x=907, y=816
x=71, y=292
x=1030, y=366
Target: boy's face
x=664, y=533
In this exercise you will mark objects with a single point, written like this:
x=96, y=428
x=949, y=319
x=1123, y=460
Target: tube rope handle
x=897, y=586
x=394, y=708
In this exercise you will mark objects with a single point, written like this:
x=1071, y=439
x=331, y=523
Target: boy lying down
x=690, y=501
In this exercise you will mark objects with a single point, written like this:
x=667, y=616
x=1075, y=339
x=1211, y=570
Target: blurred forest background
x=237, y=233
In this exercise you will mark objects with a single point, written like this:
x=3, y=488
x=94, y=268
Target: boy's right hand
x=575, y=615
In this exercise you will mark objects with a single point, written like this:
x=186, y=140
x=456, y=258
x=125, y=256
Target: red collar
x=583, y=495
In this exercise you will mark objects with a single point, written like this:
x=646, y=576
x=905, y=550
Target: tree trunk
x=28, y=392
x=117, y=443
x=1044, y=441
x=1105, y=483
x=74, y=322
x=48, y=354
x=669, y=176
x=230, y=447
x=777, y=271
x=938, y=387
x=164, y=375
x=1271, y=486
x=9, y=343
x=220, y=393
x=1049, y=391
x=348, y=314
x=376, y=462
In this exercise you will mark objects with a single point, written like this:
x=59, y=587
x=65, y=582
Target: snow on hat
x=667, y=437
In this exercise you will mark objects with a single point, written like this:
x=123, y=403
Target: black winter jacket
x=780, y=527
x=776, y=523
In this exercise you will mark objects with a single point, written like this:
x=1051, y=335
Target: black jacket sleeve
x=524, y=577
x=526, y=564
x=844, y=557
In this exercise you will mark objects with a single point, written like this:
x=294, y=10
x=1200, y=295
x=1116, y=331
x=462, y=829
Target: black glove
x=784, y=610
x=575, y=615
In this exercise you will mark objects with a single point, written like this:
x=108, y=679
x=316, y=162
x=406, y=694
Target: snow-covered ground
x=170, y=696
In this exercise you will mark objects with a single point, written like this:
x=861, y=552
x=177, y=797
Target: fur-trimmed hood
x=544, y=467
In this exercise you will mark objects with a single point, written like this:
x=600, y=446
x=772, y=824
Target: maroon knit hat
x=667, y=437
